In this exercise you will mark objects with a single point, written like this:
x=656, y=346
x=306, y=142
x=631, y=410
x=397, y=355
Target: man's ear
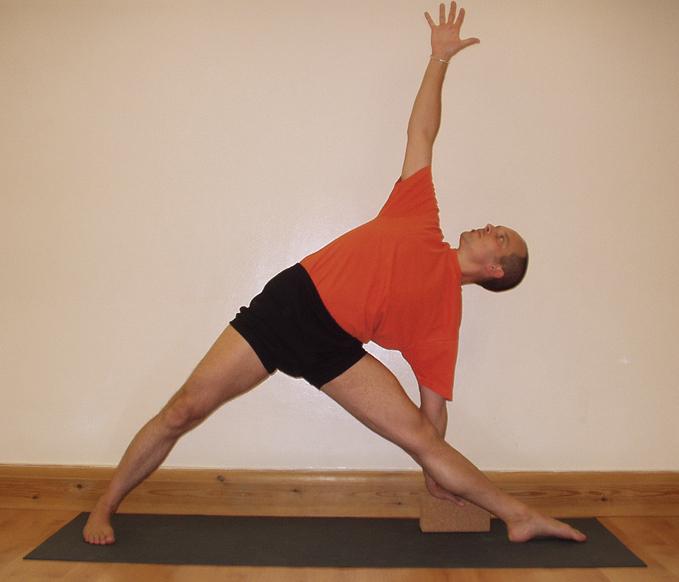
x=494, y=271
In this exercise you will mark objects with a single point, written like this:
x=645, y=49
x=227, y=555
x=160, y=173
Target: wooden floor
x=654, y=539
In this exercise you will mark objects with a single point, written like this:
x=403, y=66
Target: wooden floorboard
x=654, y=539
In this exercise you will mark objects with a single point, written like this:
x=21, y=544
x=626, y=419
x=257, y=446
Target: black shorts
x=291, y=330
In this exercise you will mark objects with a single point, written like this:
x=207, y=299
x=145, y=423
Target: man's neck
x=469, y=271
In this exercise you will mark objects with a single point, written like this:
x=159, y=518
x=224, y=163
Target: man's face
x=488, y=245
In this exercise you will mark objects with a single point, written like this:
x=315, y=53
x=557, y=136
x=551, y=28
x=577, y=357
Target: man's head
x=495, y=257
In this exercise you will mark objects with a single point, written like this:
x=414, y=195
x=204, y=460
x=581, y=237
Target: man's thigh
x=230, y=368
x=372, y=394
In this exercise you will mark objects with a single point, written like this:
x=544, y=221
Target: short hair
x=514, y=268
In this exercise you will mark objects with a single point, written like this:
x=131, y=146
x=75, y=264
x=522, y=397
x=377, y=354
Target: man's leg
x=230, y=368
x=371, y=393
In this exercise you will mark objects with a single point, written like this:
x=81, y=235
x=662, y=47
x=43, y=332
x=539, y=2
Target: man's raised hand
x=445, y=37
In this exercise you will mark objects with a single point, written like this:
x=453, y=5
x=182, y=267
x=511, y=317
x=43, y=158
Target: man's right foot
x=535, y=525
x=98, y=528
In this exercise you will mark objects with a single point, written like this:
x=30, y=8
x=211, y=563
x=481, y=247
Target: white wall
x=160, y=161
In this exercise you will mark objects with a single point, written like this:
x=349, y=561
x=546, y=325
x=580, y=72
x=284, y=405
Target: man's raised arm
x=425, y=118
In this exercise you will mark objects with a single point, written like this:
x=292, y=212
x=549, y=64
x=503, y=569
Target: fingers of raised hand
x=451, y=14
x=442, y=12
x=469, y=41
x=460, y=19
x=429, y=20
x=452, y=20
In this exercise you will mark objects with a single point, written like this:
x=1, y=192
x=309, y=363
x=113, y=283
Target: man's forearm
x=438, y=417
x=426, y=115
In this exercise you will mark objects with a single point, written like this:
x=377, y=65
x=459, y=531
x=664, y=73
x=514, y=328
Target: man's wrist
x=443, y=59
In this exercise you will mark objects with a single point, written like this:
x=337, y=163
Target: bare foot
x=98, y=528
x=534, y=524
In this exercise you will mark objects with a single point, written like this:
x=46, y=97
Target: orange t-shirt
x=394, y=281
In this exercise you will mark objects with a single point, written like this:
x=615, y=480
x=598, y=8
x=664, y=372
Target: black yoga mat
x=328, y=542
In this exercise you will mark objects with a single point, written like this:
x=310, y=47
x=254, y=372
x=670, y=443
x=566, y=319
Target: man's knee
x=182, y=413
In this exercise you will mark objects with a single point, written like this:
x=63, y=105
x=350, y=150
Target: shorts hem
x=251, y=337
x=329, y=374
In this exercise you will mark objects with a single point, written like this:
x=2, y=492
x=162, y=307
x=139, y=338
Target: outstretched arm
x=425, y=118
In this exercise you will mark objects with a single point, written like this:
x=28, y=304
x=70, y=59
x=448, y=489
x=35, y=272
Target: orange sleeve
x=433, y=364
x=412, y=196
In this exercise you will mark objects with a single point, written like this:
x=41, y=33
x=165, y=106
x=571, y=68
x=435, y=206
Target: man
x=393, y=281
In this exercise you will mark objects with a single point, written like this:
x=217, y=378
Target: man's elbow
x=423, y=132
x=432, y=402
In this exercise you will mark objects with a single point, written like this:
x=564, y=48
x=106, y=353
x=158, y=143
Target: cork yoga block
x=446, y=516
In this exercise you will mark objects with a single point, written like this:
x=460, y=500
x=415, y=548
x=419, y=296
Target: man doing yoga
x=392, y=280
